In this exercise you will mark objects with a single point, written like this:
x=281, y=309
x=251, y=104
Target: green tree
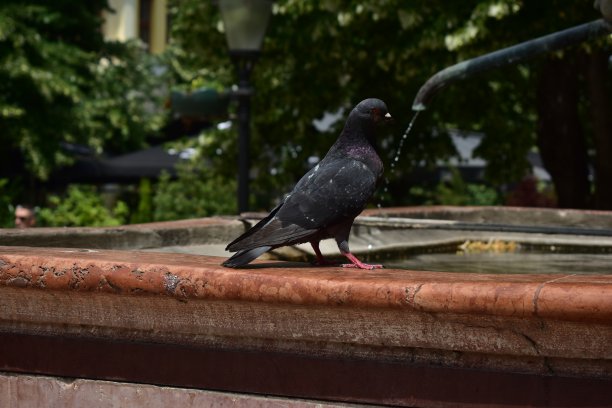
x=196, y=192
x=559, y=102
x=82, y=206
x=8, y=193
x=324, y=55
x=319, y=57
x=61, y=82
x=144, y=211
x=455, y=191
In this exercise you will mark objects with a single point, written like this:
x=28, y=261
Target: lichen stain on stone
x=3, y=273
x=112, y=285
x=105, y=285
x=43, y=271
x=171, y=282
x=59, y=272
x=102, y=283
x=78, y=276
x=18, y=281
x=184, y=293
x=411, y=292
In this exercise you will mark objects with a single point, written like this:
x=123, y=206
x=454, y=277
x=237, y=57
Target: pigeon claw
x=362, y=266
x=356, y=263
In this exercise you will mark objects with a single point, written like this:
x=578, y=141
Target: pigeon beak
x=388, y=118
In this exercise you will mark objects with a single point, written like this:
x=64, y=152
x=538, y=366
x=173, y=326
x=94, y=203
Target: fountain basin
x=283, y=328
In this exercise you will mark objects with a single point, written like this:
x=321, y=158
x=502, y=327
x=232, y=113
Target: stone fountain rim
x=542, y=324
x=570, y=297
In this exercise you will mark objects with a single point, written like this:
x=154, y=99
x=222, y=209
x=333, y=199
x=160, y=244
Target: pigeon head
x=374, y=110
x=364, y=120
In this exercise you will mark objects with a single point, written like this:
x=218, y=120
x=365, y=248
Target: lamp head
x=245, y=23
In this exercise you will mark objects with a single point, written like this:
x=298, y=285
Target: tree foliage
x=8, y=192
x=60, y=82
x=195, y=193
x=552, y=103
x=321, y=56
x=82, y=205
x=455, y=191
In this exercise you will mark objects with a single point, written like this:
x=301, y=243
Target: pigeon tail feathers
x=235, y=244
x=242, y=258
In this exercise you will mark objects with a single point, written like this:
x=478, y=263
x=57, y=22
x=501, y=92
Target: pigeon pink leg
x=356, y=263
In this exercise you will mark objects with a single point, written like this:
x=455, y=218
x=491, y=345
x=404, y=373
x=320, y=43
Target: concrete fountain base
x=288, y=329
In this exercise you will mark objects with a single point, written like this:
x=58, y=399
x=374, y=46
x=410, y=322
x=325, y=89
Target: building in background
x=144, y=19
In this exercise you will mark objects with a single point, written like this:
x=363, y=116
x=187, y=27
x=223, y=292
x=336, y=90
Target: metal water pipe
x=515, y=54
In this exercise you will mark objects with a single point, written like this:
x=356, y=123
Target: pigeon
x=326, y=200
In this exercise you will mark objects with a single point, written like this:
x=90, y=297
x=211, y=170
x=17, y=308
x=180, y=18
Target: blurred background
x=121, y=111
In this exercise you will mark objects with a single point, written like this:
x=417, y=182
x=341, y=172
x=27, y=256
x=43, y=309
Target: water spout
x=506, y=56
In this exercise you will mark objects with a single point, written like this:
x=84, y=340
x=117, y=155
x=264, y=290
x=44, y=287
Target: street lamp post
x=245, y=24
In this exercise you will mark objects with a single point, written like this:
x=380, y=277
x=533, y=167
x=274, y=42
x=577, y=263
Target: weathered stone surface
x=504, y=215
x=561, y=322
x=137, y=236
x=525, y=327
x=208, y=236
x=41, y=392
x=567, y=297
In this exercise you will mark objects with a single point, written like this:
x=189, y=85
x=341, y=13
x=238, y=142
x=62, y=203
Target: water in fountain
x=518, y=262
x=398, y=153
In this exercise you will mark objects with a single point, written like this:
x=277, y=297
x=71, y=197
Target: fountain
x=133, y=304
x=92, y=312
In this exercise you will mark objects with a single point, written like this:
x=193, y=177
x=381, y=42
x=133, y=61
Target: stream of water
x=398, y=153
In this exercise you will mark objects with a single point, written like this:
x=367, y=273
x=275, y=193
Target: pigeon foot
x=356, y=263
x=362, y=266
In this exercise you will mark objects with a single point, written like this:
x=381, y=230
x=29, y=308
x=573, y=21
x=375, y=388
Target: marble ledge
x=571, y=297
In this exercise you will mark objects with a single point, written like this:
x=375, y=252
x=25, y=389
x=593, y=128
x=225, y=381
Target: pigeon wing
x=270, y=231
x=338, y=190
x=329, y=193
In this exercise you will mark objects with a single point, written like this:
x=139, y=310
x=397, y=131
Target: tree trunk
x=560, y=137
x=601, y=117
